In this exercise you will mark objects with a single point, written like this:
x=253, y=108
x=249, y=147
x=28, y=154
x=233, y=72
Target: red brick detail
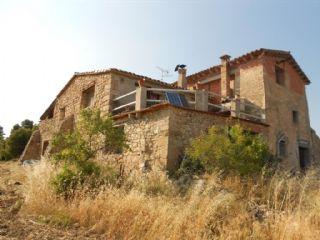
x=293, y=80
x=215, y=87
x=296, y=83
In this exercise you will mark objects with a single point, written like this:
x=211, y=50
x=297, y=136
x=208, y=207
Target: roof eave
x=249, y=56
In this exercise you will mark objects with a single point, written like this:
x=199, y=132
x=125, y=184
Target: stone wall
x=107, y=86
x=187, y=124
x=33, y=148
x=71, y=99
x=147, y=138
x=159, y=137
x=315, y=147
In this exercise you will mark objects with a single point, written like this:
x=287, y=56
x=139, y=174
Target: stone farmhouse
x=264, y=91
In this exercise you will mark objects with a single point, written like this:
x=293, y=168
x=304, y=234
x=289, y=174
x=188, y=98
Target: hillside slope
x=13, y=224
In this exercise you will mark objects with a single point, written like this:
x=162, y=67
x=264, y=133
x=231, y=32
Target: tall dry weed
x=215, y=207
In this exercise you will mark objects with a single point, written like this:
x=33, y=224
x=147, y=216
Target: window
x=62, y=113
x=282, y=145
x=88, y=97
x=280, y=78
x=295, y=116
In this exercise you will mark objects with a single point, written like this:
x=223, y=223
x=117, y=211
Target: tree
x=14, y=145
x=2, y=145
x=231, y=149
x=27, y=124
x=1, y=134
x=14, y=128
x=17, y=141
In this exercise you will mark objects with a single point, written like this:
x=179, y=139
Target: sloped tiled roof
x=122, y=72
x=116, y=71
x=250, y=56
x=105, y=71
x=193, y=77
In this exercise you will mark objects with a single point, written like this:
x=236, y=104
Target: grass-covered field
x=16, y=225
x=153, y=207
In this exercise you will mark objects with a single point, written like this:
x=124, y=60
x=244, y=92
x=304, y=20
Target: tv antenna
x=164, y=73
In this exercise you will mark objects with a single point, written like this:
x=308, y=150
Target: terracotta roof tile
x=249, y=56
x=215, y=69
x=129, y=74
x=104, y=71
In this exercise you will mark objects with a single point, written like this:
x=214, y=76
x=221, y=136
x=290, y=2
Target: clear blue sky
x=42, y=43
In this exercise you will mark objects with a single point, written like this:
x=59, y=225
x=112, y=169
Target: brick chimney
x=225, y=78
x=182, y=78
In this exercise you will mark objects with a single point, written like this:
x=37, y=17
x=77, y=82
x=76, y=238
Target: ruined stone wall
x=33, y=148
x=47, y=128
x=280, y=102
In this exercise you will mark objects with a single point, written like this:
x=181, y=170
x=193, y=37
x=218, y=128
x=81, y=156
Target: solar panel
x=176, y=99
x=183, y=100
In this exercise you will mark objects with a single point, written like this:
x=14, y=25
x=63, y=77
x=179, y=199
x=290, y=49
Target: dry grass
x=150, y=207
x=11, y=171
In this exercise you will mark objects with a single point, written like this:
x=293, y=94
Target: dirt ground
x=13, y=224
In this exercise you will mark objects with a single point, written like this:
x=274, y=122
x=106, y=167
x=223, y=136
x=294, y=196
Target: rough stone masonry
x=263, y=90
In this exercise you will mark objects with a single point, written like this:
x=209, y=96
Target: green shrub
x=65, y=182
x=100, y=132
x=75, y=151
x=231, y=149
x=191, y=166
